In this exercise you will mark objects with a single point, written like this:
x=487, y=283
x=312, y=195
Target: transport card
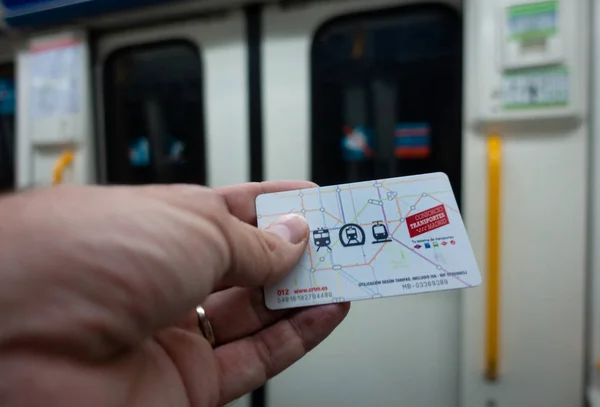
x=373, y=239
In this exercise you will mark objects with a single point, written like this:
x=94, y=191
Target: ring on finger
x=205, y=326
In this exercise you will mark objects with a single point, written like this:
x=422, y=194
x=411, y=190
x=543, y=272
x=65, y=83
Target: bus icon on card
x=371, y=236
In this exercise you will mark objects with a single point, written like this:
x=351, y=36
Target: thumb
x=261, y=257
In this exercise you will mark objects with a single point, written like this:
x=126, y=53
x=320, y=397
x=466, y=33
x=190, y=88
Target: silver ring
x=205, y=326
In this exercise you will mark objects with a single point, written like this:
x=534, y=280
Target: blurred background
x=501, y=95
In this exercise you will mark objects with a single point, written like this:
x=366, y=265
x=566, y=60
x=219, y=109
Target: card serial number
x=425, y=284
x=305, y=297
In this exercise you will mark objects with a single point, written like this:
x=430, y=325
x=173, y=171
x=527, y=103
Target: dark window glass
x=387, y=95
x=154, y=122
x=7, y=127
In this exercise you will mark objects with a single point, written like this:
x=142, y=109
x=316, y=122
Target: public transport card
x=373, y=239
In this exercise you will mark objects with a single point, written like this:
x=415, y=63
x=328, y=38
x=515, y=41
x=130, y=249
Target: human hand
x=99, y=287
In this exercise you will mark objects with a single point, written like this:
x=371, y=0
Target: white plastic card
x=373, y=239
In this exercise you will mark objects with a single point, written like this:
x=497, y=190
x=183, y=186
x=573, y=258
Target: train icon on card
x=361, y=231
x=351, y=235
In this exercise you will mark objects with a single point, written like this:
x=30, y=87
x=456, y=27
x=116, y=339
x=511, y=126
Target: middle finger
x=239, y=312
x=241, y=198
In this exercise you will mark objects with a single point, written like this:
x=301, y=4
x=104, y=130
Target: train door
x=8, y=49
x=7, y=126
x=356, y=91
x=173, y=103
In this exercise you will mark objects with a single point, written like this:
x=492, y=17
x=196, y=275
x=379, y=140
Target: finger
x=108, y=269
x=248, y=363
x=262, y=257
x=257, y=257
x=240, y=198
x=143, y=260
x=239, y=312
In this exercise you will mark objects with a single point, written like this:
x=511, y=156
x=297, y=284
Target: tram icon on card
x=380, y=233
x=322, y=238
x=370, y=249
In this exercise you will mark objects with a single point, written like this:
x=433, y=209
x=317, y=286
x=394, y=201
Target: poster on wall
x=55, y=77
x=7, y=97
x=533, y=21
x=412, y=141
x=535, y=88
x=357, y=143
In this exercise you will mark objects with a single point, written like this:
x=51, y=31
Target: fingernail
x=290, y=227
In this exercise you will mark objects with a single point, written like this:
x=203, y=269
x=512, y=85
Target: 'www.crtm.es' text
x=286, y=291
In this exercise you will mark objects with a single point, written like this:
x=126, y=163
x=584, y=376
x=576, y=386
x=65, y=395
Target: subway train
x=500, y=95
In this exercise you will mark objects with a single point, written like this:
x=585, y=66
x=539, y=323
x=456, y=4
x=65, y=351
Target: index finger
x=240, y=198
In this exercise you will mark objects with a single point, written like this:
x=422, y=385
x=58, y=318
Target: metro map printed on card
x=373, y=239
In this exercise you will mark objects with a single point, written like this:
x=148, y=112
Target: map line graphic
x=410, y=248
x=340, y=204
x=414, y=205
x=398, y=241
x=337, y=223
x=425, y=258
x=382, y=182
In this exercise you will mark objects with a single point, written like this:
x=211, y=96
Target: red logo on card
x=427, y=221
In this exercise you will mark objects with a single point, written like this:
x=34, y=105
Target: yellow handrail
x=358, y=47
x=492, y=350
x=61, y=164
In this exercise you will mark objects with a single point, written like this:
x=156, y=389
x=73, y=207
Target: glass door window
x=384, y=100
x=7, y=127
x=387, y=95
x=154, y=122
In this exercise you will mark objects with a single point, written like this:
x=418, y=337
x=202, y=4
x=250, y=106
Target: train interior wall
x=378, y=68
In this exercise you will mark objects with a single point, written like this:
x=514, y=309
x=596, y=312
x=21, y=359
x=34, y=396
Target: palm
x=177, y=366
x=88, y=318
x=159, y=372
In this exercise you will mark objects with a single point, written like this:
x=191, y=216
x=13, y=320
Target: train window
x=154, y=123
x=387, y=95
x=7, y=127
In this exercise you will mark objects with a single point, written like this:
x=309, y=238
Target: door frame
x=299, y=32
x=222, y=47
x=287, y=94
x=8, y=56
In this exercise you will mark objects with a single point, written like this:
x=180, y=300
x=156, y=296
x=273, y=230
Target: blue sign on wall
x=412, y=140
x=7, y=97
x=20, y=13
x=357, y=143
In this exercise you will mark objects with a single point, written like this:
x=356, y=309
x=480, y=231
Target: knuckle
x=266, y=258
x=215, y=211
x=265, y=357
x=305, y=346
x=214, y=202
x=262, y=315
x=252, y=256
x=211, y=208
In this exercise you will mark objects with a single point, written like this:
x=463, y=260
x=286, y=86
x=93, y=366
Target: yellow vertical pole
x=59, y=168
x=358, y=47
x=492, y=349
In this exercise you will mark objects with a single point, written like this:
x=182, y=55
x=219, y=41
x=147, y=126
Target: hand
x=100, y=284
